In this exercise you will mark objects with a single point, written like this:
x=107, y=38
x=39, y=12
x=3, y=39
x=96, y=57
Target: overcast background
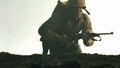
x=20, y=20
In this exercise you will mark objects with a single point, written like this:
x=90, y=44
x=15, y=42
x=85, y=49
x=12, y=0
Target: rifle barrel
x=105, y=33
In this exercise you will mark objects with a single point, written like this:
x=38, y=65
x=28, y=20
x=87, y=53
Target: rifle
x=80, y=36
x=76, y=37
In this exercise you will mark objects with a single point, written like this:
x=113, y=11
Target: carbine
x=80, y=36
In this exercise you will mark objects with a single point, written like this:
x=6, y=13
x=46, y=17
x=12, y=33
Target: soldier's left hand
x=64, y=40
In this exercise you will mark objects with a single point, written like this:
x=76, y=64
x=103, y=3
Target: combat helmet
x=77, y=3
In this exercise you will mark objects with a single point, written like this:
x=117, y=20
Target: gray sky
x=20, y=20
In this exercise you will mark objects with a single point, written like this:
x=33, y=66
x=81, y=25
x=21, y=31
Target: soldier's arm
x=47, y=35
x=51, y=36
x=54, y=37
x=87, y=28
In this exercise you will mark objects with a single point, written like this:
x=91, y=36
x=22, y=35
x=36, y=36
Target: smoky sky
x=19, y=22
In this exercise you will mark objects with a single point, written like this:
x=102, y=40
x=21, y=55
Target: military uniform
x=63, y=28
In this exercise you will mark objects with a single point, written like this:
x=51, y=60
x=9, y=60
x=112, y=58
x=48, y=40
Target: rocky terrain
x=59, y=61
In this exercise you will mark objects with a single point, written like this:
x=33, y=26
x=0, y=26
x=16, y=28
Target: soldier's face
x=76, y=12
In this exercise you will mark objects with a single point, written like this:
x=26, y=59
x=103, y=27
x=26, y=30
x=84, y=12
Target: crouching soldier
x=66, y=21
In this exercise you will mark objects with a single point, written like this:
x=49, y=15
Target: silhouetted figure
x=66, y=21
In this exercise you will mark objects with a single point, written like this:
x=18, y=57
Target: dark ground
x=65, y=61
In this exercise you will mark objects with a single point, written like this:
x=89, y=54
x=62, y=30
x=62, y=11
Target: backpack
x=57, y=18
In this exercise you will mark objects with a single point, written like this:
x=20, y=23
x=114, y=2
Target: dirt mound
x=59, y=61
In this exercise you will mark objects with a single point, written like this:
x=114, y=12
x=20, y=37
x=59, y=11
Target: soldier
x=57, y=32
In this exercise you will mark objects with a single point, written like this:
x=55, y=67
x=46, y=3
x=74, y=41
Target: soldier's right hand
x=87, y=40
